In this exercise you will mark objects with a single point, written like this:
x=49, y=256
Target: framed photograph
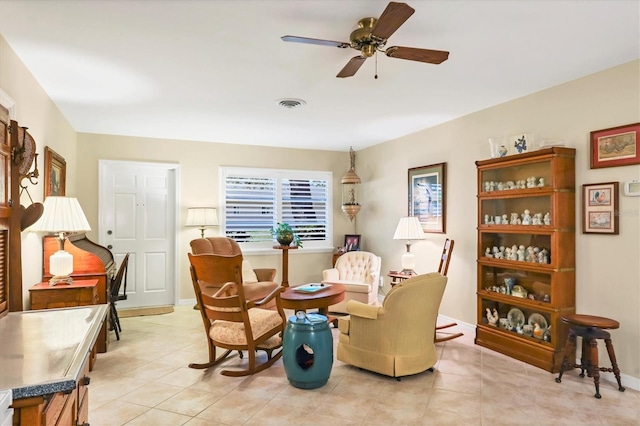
x=427, y=190
x=600, y=208
x=352, y=242
x=55, y=173
x=617, y=146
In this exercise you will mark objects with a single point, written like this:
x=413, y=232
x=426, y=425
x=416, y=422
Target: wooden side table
x=398, y=277
x=285, y=263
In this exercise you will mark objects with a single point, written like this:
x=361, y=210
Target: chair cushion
x=232, y=333
x=248, y=274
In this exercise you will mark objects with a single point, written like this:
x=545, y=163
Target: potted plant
x=284, y=234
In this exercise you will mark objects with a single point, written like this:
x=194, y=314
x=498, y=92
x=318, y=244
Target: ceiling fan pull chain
x=376, y=76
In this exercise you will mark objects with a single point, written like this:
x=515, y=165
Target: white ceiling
x=214, y=70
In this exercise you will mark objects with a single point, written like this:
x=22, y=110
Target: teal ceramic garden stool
x=307, y=350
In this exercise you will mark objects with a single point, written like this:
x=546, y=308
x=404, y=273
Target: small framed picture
x=617, y=146
x=352, y=242
x=600, y=208
x=55, y=173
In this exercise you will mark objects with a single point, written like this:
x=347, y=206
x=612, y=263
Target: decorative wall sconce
x=350, y=182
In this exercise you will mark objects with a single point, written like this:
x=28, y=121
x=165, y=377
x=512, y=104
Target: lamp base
x=408, y=272
x=60, y=280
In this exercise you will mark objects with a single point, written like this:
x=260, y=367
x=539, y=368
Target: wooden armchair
x=230, y=321
x=258, y=282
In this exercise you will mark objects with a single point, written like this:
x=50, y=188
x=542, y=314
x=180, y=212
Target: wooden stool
x=590, y=328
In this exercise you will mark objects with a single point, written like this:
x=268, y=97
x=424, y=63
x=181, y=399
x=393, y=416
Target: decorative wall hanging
x=55, y=173
x=427, y=189
x=600, y=208
x=616, y=146
x=350, y=182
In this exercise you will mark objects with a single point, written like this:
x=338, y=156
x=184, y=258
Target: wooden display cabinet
x=550, y=286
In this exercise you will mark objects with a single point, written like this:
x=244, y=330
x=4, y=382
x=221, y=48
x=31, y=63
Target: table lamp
x=202, y=217
x=409, y=229
x=62, y=215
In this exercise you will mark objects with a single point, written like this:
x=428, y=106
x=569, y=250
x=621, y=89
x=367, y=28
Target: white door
x=137, y=215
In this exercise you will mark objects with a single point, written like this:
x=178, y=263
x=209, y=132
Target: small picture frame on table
x=352, y=242
x=616, y=146
x=55, y=173
x=600, y=208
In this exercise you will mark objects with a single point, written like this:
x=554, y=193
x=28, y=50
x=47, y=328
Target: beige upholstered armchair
x=359, y=272
x=396, y=339
x=258, y=283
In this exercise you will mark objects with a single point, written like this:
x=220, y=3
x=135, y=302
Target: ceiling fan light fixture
x=291, y=103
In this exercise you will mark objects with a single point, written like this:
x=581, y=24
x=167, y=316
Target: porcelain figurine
x=504, y=219
x=486, y=219
x=502, y=151
x=521, y=253
x=547, y=218
x=500, y=186
x=531, y=182
x=487, y=252
x=530, y=256
x=537, y=331
x=526, y=217
x=492, y=317
x=541, y=182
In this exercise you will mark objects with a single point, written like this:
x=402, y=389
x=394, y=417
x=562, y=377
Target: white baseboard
x=470, y=329
x=184, y=302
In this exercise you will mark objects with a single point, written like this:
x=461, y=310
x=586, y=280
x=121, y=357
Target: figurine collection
x=519, y=253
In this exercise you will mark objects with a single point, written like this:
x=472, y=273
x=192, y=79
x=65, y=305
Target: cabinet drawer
x=64, y=297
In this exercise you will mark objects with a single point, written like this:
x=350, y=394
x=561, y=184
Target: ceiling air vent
x=291, y=103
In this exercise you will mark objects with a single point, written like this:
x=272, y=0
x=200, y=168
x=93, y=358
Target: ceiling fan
x=371, y=36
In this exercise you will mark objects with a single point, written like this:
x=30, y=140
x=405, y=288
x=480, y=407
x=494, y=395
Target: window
x=254, y=200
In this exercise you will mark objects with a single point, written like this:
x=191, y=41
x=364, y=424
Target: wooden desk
x=285, y=263
x=79, y=293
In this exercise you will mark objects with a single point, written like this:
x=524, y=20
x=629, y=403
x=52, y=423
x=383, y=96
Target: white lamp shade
x=409, y=228
x=61, y=214
x=202, y=217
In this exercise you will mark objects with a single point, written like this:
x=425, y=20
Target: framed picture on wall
x=427, y=190
x=352, y=242
x=616, y=146
x=600, y=208
x=55, y=173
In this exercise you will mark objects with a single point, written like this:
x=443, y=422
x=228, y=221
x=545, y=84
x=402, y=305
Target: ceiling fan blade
x=393, y=16
x=415, y=54
x=306, y=40
x=352, y=67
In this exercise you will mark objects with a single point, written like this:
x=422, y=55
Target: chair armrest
x=362, y=310
x=265, y=274
x=330, y=275
x=274, y=294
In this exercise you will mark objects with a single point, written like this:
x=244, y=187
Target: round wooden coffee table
x=321, y=299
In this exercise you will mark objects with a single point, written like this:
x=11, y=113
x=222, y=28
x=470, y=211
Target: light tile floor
x=144, y=380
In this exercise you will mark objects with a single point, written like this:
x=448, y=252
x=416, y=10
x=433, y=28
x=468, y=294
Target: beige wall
x=199, y=175
x=608, y=271
x=608, y=267
x=35, y=110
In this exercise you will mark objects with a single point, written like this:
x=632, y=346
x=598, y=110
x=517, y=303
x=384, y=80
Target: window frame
x=279, y=175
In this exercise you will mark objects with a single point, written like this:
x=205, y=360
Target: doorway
x=138, y=210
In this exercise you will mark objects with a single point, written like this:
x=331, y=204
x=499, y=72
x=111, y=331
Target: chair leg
x=569, y=348
x=212, y=358
x=614, y=363
x=113, y=320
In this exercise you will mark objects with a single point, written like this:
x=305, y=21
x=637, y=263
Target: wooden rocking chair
x=445, y=258
x=230, y=321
